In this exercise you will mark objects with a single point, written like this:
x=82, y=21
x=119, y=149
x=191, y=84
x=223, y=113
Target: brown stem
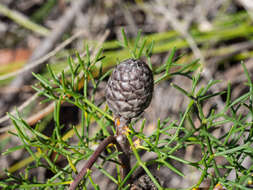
x=91, y=161
x=123, y=145
x=123, y=157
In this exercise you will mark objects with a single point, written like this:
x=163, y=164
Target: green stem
x=89, y=103
x=23, y=21
x=142, y=164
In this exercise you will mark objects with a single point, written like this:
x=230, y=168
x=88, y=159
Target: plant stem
x=91, y=161
x=123, y=157
x=123, y=145
x=143, y=164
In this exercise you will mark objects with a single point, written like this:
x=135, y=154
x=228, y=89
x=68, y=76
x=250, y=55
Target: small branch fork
x=122, y=145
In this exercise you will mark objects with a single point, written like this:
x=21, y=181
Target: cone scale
x=129, y=89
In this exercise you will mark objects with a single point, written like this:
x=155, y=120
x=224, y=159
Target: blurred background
x=34, y=33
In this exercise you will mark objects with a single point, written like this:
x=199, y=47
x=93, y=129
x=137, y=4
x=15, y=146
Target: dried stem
x=123, y=145
x=91, y=161
x=123, y=157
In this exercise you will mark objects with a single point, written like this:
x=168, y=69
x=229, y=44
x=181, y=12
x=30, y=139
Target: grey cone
x=129, y=89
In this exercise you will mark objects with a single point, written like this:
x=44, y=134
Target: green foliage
x=169, y=137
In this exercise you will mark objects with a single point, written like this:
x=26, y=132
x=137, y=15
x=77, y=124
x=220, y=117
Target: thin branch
x=122, y=144
x=20, y=108
x=45, y=58
x=182, y=28
x=92, y=160
x=34, y=118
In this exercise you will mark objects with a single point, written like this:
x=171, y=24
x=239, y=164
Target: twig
x=43, y=59
x=34, y=118
x=26, y=103
x=7, y=90
x=182, y=28
x=91, y=161
x=94, y=157
x=121, y=126
x=121, y=141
